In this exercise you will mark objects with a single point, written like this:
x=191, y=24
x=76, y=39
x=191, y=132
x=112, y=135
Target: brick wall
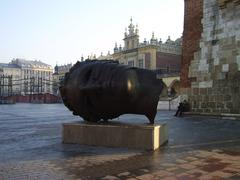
x=172, y=61
x=35, y=98
x=191, y=35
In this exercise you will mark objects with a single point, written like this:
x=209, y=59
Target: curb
x=217, y=115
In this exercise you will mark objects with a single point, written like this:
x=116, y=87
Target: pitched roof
x=6, y=65
x=23, y=62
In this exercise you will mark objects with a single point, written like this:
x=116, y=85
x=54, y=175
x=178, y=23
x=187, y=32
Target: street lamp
x=169, y=98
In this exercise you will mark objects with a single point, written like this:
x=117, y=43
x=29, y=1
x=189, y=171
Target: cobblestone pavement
x=31, y=148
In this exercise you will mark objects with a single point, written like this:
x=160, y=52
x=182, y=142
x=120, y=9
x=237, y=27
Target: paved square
x=31, y=148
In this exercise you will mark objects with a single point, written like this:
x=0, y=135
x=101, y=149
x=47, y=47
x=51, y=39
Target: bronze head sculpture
x=102, y=90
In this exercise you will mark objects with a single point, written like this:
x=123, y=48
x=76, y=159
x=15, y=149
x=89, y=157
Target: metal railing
x=32, y=85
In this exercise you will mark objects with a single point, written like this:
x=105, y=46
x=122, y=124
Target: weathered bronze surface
x=102, y=90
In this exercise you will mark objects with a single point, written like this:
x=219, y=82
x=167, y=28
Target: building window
x=131, y=63
x=167, y=68
x=140, y=63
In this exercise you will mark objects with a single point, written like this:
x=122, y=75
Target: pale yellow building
x=58, y=75
x=153, y=54
x=26, y=77
x=105, y=57
x=36, y=76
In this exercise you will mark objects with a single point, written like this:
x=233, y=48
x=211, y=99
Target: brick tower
x=210, y=76
x=193, y=13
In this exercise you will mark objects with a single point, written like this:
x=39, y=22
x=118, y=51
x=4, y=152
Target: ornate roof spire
x=125, y=34
x=131, y=27
x=115, y=48
x=152, y=35
x=136, y=30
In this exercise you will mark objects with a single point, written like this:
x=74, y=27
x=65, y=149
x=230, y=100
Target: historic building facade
x=27, y=77
x=36, y=76
x=9, y=76
x=59, y=71
x=153, y=54
x=58, y=75
x=210, y=76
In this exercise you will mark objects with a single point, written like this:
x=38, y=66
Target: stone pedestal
x=116, y=134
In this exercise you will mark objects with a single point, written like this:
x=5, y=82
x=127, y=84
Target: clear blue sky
x=64, y=30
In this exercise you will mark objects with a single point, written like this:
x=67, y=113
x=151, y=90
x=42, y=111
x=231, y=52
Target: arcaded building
x=210, y=74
